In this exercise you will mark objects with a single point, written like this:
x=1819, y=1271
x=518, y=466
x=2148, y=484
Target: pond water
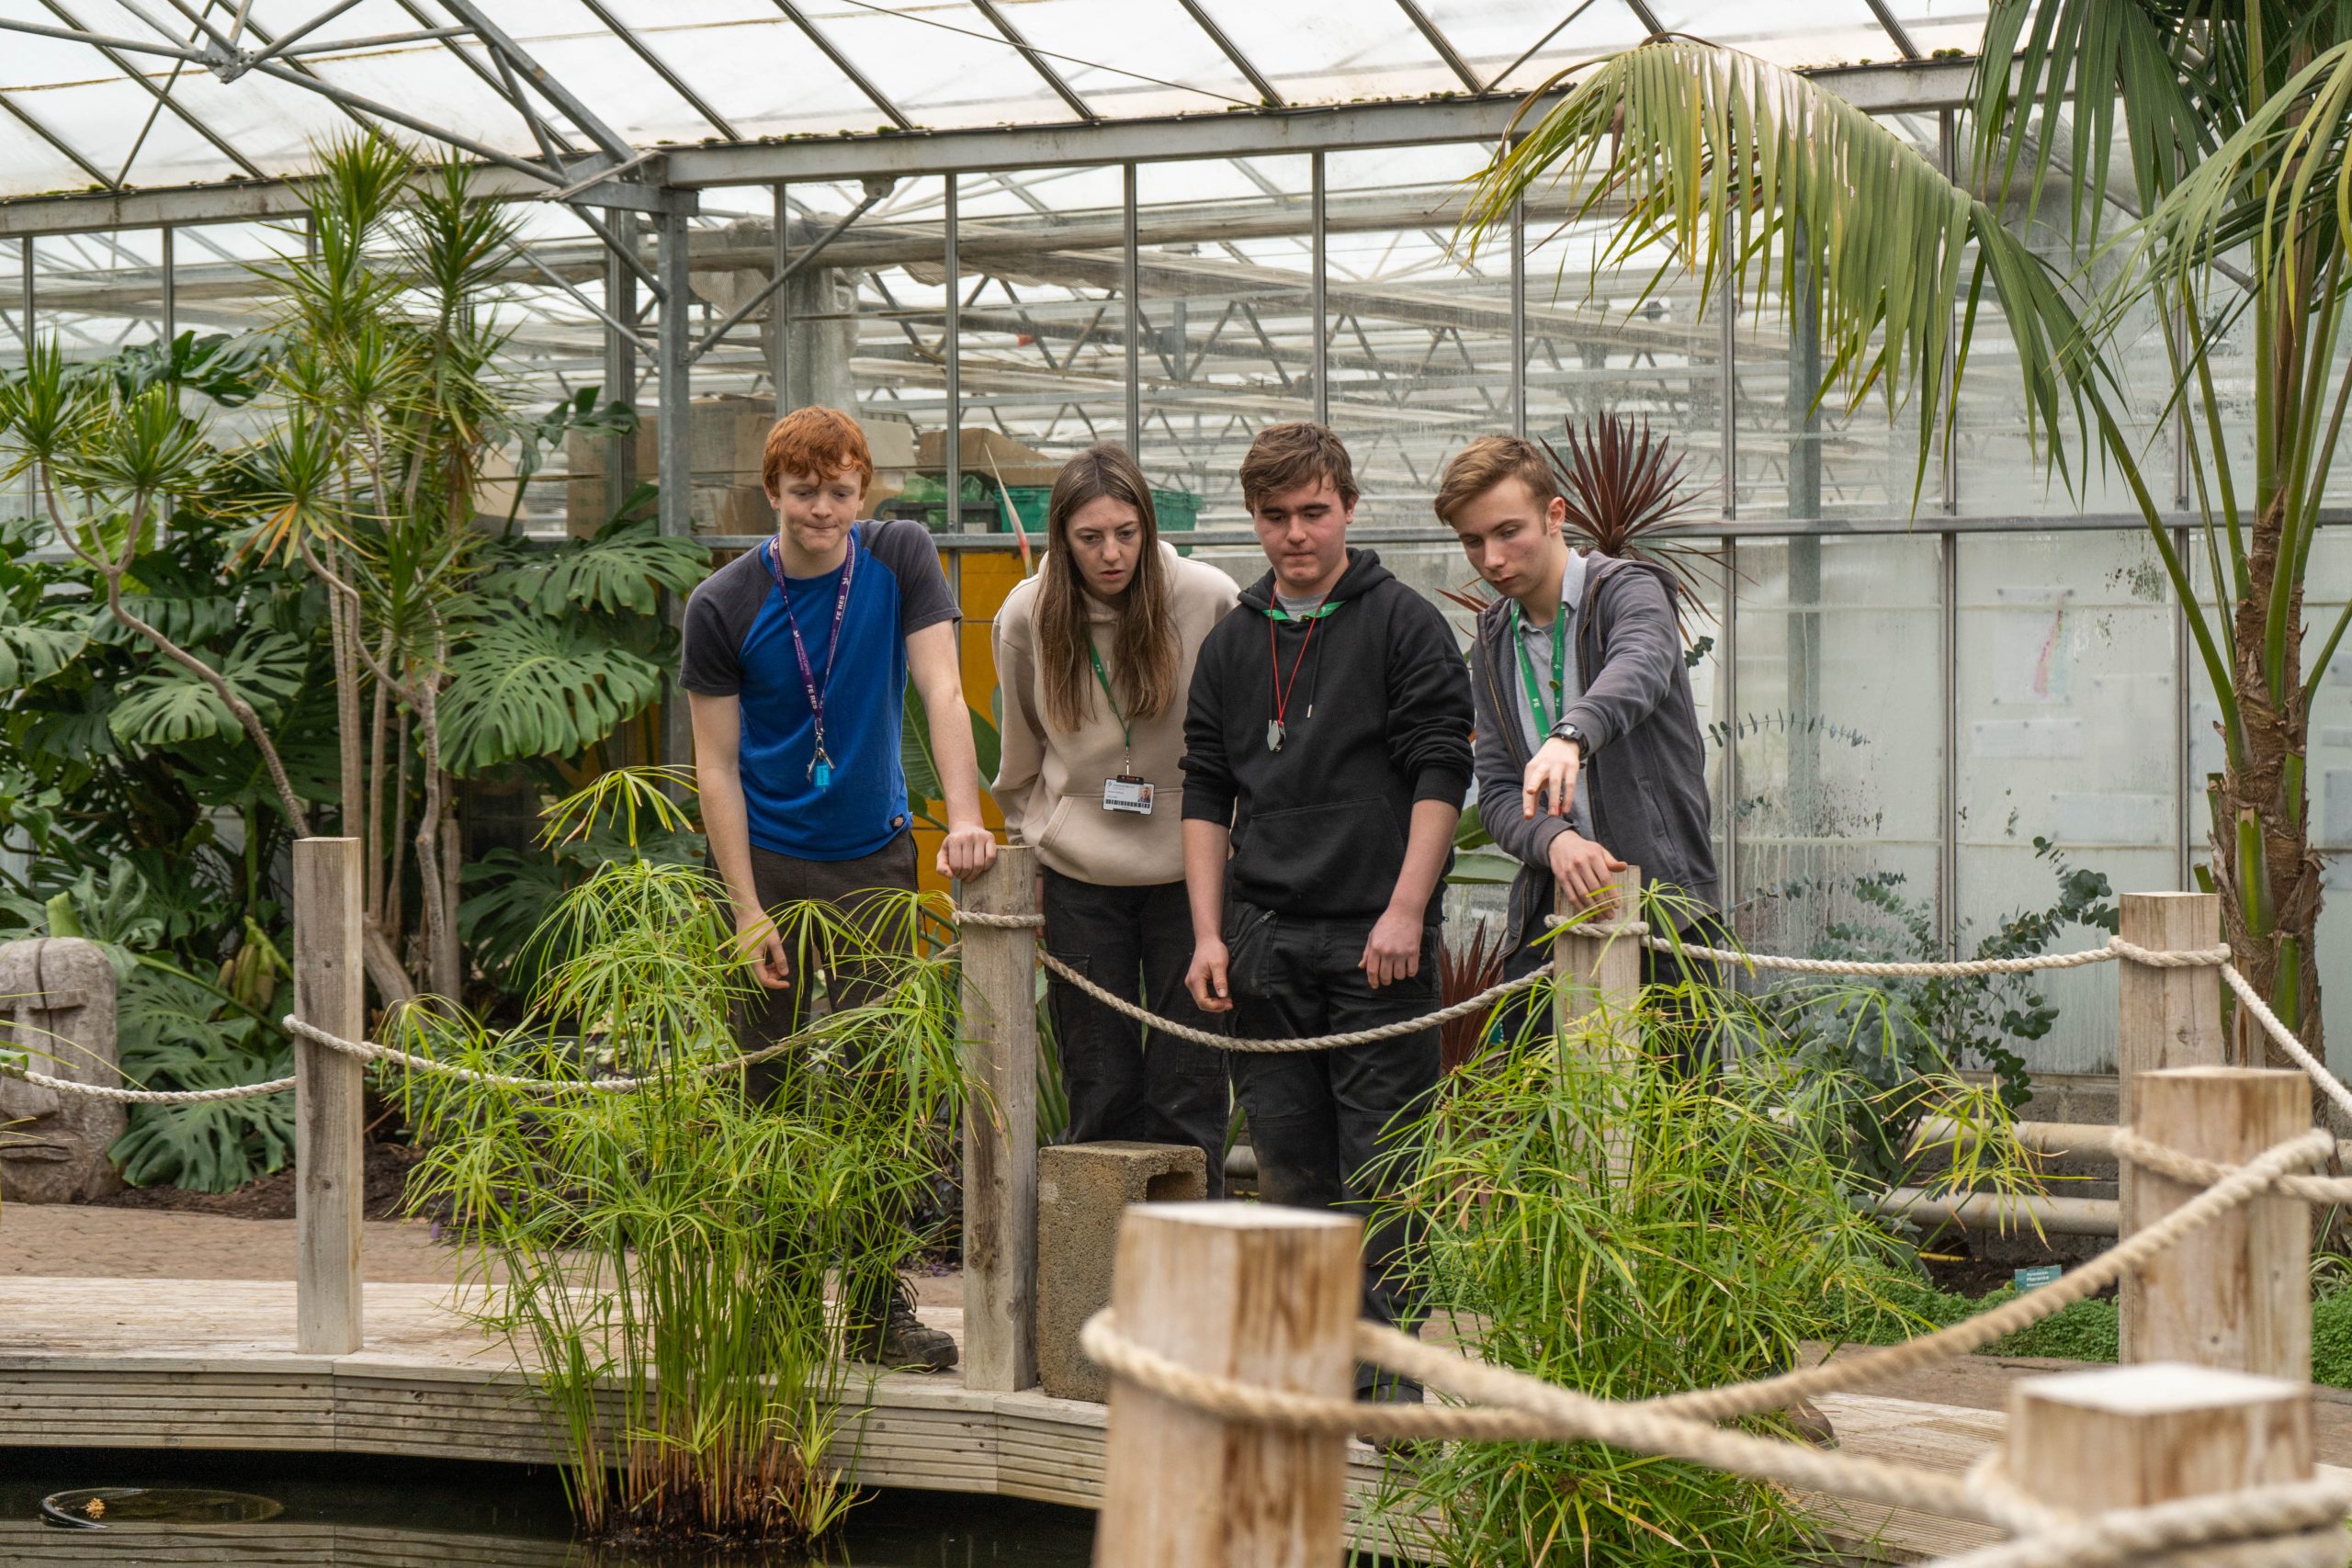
x=346, y=1511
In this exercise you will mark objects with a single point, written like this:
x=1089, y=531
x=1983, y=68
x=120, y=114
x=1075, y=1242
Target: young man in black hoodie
x=1326, y=756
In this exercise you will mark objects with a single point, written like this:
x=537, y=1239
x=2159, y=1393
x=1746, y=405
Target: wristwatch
x=1564, y=731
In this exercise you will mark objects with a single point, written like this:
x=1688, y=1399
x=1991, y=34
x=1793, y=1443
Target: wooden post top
x=2157, y=1388
x=1238, y=1217
x=2210, y=1073
x=1006, y=887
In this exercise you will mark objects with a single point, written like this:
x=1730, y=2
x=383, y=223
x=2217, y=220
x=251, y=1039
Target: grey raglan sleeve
x=1637, y=664
x=718, y=617
x=1501, y=779
x=904, y=545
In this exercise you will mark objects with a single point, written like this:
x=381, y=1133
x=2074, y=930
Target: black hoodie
x=1378, y=719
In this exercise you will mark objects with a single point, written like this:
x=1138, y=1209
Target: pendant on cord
x=1273, y=735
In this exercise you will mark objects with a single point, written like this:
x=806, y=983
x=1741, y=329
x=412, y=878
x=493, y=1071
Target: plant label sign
x=2037, y=1276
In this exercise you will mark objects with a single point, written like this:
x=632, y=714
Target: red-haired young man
x=796, y=664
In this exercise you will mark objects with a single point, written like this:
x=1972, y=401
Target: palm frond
x=1755, y=180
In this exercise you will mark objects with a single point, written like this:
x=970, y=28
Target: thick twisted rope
x=371, y=1051
x=2116, y=948
x=2284, y=1521
x=2193, y=1171
x=1515, y=1409
x=2332, y=1086
x=145, y=1096
x=2241, y=1185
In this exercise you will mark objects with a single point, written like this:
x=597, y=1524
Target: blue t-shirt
x=738, y=643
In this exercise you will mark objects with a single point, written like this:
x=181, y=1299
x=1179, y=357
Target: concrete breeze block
x=1082, y=1189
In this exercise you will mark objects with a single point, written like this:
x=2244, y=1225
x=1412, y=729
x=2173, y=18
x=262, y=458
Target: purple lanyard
x=821, y=765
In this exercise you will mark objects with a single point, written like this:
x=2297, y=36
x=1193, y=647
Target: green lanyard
x=1526, y=667
x=1127, y=732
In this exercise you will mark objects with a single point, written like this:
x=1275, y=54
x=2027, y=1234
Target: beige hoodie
x=1050, y=781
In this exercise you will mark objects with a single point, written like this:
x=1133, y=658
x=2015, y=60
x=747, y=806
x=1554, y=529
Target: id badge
x=1127, y=792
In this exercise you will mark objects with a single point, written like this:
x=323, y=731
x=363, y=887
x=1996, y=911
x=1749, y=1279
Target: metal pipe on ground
x=2003, y=1213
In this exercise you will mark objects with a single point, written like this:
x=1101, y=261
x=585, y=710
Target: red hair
x=819, y=442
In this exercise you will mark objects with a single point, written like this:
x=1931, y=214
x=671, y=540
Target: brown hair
x=815, y=440
x=1143, y=654
x=1487, y=462
x=1287, y=456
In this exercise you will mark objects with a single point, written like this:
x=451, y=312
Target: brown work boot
x=895, y=1337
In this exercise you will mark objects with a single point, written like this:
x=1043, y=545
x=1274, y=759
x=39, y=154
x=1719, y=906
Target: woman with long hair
x=1096, y=656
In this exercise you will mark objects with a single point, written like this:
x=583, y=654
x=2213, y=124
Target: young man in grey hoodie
x=1588, y=757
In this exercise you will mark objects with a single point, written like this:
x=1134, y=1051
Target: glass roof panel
x=1787, y=32
x=940, y=60
x=745, y=69
x=1141, y=57
x=1320, y=53
x=748, y=62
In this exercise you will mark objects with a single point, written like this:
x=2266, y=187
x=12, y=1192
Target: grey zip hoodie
x=1645, y=766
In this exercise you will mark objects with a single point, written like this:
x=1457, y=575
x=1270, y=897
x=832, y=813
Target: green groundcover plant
x=668, y=1262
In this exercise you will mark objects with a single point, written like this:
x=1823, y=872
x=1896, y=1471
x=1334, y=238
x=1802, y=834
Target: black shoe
x=1387, y=1388
x=901, y=1341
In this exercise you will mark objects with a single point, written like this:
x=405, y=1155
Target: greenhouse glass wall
x=1944, y=669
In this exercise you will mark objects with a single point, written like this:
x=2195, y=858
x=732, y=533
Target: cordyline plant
x=2232, y=118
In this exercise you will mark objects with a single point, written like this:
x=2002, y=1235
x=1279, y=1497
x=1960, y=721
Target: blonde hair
x=1487, y=462
x=1144, y=653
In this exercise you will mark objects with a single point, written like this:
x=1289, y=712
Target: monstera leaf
x=32, y=648
x=168, y=705
x=538, y=688
x=623, y=568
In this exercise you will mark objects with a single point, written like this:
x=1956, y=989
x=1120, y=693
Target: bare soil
x=272, y=1197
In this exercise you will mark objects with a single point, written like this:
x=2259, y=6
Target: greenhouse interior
x=1942, y=669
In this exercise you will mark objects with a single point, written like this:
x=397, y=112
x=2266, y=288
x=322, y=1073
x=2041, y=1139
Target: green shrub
x=660, y=1258
x=1726, y=1242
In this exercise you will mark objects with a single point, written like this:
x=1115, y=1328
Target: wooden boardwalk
x=210, y=1364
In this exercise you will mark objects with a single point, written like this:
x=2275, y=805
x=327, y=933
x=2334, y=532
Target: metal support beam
x=551, y=88
x=874, y=191
x=1130, y=292
x=171, y=296
x=114, y=57
x=1519, y=317
x=287, y=40
x=1894, y=30
x=1319, y=271
x=673, y=446
x=24, y=117
x=620, y=364
x=951, y=443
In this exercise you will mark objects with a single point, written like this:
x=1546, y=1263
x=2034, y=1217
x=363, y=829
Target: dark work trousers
x=1123, y=1081
x=849, y=886
x=1327, y=1125
x=1694, y=1047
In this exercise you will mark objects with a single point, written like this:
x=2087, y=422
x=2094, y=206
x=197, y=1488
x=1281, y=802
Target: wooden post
x=1267, y=1296
x=999, y=1008
x=2133, y=1437
x=2234, y=1293
x=1602, y=974
x=2165, y=1018
x=329, y=994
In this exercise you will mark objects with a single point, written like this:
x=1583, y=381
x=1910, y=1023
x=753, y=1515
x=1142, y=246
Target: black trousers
x=851, y=887
x=1328, y=1125
x=1123, y=1081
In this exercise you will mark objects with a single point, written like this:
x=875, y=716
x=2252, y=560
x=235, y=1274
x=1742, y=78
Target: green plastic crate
x=1179, y=510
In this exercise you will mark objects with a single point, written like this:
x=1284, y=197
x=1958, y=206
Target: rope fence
x=2294, y=1523
x=2115, y=948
